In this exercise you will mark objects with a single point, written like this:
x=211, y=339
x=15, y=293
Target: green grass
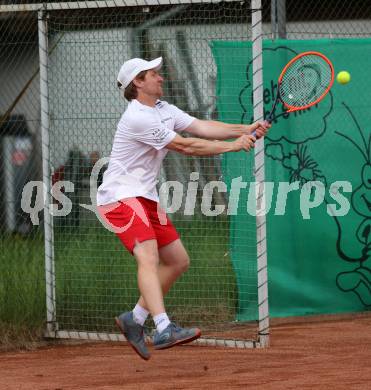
x=96, y=279
x=22, y=289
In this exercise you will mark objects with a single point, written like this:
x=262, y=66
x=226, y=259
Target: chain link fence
x=86, y=46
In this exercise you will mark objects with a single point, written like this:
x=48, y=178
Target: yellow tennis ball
x=343, y=77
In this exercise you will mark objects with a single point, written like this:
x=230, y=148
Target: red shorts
x=139, y=219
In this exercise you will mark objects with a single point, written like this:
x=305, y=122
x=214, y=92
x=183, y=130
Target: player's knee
x=149, y=261
x=183, y=264
x=149, y=266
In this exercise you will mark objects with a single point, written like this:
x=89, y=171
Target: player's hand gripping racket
x=303, y=82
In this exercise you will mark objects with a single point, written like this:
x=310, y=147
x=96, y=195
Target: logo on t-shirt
x=159, y=134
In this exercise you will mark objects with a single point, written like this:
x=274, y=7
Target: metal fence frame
x=256, y=26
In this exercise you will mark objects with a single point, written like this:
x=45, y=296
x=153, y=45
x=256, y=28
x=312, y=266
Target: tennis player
x=128, y=198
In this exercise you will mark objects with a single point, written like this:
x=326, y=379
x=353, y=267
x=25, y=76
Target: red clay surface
x=331, y=353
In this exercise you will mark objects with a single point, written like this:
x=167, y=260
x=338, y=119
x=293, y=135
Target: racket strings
x=305, y=81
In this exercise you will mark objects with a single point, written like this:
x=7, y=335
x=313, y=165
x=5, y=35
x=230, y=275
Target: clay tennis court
x=313, y=353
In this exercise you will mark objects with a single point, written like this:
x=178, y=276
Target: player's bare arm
x=222, y=131
x=202, y=147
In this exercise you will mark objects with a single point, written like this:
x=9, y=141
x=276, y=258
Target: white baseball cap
x=131, y=68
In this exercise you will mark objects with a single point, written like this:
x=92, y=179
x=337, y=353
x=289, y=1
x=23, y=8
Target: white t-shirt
x=139, y=149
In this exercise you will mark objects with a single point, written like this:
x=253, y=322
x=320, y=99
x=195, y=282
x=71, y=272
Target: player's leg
x=149, y=280
x=174, y=261
x=153, y=280
x=152, y=277
x=137, y=235
x=131, y=323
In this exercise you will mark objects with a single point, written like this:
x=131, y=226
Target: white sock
x=140, y=314
x=161, y=321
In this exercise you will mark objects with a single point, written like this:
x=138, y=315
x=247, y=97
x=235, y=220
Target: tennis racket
x=303, y=82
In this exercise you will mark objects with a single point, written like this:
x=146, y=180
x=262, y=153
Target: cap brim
x=155, y=64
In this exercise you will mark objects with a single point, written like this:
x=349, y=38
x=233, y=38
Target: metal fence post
x=257, y=53
x=48, y=219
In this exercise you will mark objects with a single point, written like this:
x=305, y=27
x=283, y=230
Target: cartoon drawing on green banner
x=303, y=168
x=358, y=280
x=317, y=264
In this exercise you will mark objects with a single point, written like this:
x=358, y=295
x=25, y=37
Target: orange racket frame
x=295, y=108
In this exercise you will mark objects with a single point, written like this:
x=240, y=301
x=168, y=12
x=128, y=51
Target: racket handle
x=269, y=120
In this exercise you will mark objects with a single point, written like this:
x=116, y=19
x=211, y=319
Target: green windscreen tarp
x=317, y=262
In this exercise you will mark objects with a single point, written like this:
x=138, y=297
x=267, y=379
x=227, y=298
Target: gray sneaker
x=133, y=333
x=174, y=335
